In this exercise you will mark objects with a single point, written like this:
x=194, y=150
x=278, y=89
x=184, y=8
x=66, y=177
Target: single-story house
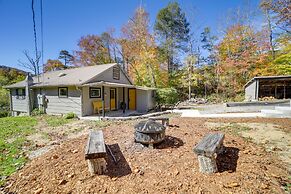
x=84, y=91
x=278, y=87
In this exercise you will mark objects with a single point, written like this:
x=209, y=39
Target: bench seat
x=207, y=150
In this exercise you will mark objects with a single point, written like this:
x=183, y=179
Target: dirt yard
x=250, y=164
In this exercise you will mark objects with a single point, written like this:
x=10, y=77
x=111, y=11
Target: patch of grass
x=55, y=121
x=103, y=124
x=13, y=132
x=287, y=187
x=233, y=128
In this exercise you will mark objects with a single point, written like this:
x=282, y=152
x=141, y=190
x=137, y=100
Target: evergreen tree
x=66, y=56
x=173, y=30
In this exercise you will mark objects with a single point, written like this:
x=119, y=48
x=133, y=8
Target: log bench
x=95, y=153
x=165, y=120
x=207, y=149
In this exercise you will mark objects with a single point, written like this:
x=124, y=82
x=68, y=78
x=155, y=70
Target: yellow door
x=113, y=99
x=131, y=99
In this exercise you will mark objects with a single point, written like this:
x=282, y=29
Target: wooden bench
x=165, y=120
x=95, y=153
x=207, y=150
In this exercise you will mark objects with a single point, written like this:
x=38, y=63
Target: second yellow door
x=131, y=99
x=113, y=99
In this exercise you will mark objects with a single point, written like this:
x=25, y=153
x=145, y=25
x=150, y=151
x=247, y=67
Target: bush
x=166, y=96
x=36, y=112
x=4, y=114
x=70, y=115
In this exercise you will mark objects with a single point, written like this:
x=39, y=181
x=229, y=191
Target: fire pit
x=149, y=132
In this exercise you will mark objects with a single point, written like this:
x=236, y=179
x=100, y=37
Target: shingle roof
x=67, y=77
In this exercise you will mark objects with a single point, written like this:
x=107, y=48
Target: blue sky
x=65, y=21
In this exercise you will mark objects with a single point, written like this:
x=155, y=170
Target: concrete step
x=272, y=113
x=284, y=109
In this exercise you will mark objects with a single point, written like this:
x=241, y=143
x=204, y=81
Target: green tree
x=66, y=56
x=172, y=28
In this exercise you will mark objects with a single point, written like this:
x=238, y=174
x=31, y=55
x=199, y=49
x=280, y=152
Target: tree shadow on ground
x=120, y=167
x=227, y=160
x=170, y=142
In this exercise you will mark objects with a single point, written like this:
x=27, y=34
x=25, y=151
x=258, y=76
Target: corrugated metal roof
x=267, y=77
x=67, y=77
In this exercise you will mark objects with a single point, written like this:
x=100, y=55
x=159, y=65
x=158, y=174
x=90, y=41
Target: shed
x=278, y=87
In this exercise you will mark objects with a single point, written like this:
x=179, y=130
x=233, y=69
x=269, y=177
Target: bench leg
x=97, y=166
x=207, y=164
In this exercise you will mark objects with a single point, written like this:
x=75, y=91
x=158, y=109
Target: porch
x=119, y=115
x=109, y=99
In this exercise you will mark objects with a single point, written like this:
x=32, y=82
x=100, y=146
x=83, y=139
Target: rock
x=62, y=182
x=136, y=170
x=264, y=186
x=114, y=178
x=176, y=172
x=55, y=157
x=75, y=151
x=38, y=191
x=231, y=185
x=71, y=175
x=141, y=172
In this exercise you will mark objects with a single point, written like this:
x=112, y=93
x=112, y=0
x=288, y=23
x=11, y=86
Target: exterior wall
x=251, y=91
x=57, y=105
x=108, y=77
x=145, y=100
x=87, y=102
x=18, y=104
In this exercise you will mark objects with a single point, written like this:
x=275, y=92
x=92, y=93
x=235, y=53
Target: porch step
x=272, y=113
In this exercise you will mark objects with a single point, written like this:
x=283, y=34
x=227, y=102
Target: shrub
x=167, y=96
x=37, y=111
x=4, y=114
x=70, y=115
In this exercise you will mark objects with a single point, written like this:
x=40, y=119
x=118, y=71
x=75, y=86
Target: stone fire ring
x=149, y=132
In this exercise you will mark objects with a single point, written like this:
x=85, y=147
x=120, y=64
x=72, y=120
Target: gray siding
x=18, y=104
x=108, y=77
x=56, y=105
x=251, y=91
x=144, y=100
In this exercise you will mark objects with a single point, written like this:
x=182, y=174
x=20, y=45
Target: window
x=63, y=92
x=20, y=93
x=95, y=92
x=116, y=72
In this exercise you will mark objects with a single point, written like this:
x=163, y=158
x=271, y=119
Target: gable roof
x=67, y=77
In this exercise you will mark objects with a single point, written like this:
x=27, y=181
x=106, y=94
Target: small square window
x=95, y=92
x=63, y=92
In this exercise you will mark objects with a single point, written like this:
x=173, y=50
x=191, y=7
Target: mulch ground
x=171, y=168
